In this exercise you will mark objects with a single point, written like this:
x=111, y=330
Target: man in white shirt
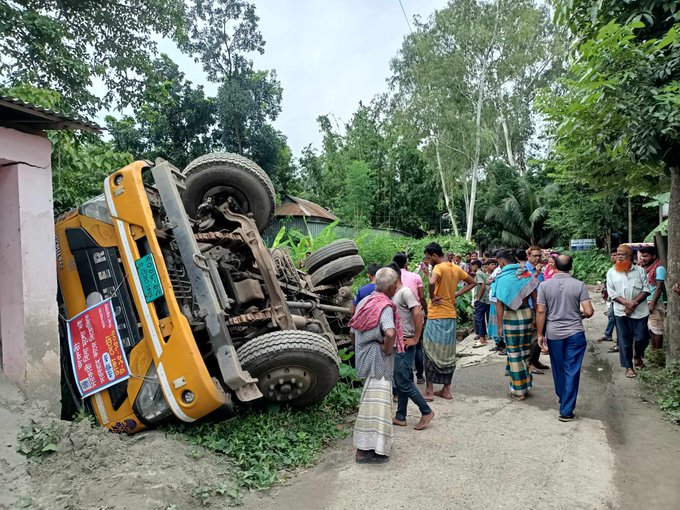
x=628, y=288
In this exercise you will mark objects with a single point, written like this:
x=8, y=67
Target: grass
x=661, y=384
x=264, y=445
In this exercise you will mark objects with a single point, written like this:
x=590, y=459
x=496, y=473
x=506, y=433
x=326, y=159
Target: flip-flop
x=478, y=344
x=536, y=371
x=630, y=374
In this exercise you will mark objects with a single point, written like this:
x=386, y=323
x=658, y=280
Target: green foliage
x=174, y=120
x=379, y=248
x=615, y=117
x=263, y=444
x=356, y=204
x=464, y=311
x=655, y=358
x=84, y=415
x=662, y=386
x=591, y=266
x=522, y=217
x=37, y=440
x=298, y=244
x=65, y=45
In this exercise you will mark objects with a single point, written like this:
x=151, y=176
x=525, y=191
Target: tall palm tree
x=522, y=218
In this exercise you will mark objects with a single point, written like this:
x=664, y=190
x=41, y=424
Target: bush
x=662, y=386
x=379, y=248
x=591, y=266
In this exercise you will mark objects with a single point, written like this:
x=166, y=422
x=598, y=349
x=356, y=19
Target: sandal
x=478, y=344
x=630, y=373
x=535, y=370
x=364, y=456
x=613, y=349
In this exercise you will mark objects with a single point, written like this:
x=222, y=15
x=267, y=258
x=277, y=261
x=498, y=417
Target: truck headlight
x=150, y=404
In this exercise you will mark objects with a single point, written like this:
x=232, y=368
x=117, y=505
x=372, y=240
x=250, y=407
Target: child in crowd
x=481, y=303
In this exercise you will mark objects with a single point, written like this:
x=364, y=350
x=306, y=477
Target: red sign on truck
x=96, y=349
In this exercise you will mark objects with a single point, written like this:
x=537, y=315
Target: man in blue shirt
x=367, y=289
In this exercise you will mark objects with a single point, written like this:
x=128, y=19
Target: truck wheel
x=338, y=270
x=329, y=253
x=221, y=175
x=295, y=367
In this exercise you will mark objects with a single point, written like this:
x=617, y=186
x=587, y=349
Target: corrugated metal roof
x=19, y=114
x=301, y=207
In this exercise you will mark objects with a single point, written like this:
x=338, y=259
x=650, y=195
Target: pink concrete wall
x=28, y=284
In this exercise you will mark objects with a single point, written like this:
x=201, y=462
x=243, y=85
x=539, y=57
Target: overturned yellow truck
x=231, y=321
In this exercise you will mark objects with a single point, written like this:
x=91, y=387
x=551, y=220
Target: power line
x=405, y=17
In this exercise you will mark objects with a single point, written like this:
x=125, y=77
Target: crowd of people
x=525, y=302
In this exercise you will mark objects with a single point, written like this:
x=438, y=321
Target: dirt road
x=485, y=451
x=482, y=451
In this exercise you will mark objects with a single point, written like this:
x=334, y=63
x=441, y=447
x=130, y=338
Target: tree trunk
x=630, y=220
x=672, y=336
x=446, y=194
x=475, y=159
x=508, y=142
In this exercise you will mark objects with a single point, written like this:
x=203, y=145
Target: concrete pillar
x=28, y=283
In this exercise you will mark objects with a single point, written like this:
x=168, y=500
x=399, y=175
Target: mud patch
x=95, y=469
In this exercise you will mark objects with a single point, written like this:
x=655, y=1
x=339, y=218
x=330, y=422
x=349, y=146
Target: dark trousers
x=566, y=357
x=406, y=388
x=535, y=352
x=611, y=322
x=481, y=317
x=631, y=335
x=420, y=360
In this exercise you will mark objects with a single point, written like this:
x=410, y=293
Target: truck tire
x=222, y=175
x=338, y=270
x=329, y=253
x=295, y=367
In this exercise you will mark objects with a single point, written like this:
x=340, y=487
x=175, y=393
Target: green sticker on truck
x=148, y=276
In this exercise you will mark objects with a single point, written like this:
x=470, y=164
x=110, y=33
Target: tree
x=522, y=217
x=175, y=119
x=621, y=102
x=466, y=73
x=64, y=45
x=223, y=34
x=357, y=195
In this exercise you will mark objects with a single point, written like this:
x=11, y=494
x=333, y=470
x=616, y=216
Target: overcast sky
x=329, y=55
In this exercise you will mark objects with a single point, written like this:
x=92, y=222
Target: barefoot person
x=628, y=288
x=376, y=334
x=439, y=339
x=558, y=313
x=514, y=286
x=411, y=318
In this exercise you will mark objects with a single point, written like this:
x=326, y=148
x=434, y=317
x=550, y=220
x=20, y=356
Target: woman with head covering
x=513, y=287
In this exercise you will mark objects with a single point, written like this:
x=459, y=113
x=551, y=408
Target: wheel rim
x=220, y=194
x=284, y=384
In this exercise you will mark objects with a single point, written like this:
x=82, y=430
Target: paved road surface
x=485, y=451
